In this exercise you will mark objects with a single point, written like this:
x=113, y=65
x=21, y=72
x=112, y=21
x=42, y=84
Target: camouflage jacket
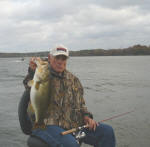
x=67, y=106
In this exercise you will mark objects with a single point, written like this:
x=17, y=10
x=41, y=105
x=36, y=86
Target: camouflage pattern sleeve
x=80, y=99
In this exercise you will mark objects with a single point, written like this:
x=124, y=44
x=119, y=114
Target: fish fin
x=30, y=83
x=37, y=85
x=30, y=108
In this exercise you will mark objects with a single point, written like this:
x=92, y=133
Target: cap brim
x=60, y=53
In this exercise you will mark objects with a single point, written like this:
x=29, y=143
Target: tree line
x=130, y=51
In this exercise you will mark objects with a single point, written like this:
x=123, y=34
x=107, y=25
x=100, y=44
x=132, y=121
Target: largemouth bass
x=40, y=92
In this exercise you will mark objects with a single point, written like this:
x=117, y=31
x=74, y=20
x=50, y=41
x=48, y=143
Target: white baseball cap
x=59, y=50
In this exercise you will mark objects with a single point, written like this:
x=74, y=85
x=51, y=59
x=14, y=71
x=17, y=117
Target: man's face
x=58, y=63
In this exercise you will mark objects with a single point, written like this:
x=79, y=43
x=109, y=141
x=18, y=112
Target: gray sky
x=38, y=25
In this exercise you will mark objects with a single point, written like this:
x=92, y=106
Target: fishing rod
x=86, y=126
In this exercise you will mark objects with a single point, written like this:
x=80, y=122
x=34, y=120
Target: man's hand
x=32, y=62
x=90, y=122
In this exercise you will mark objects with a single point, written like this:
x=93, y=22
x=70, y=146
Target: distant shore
x=130, y=51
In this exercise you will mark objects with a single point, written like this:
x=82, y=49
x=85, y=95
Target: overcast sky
x=38, y=25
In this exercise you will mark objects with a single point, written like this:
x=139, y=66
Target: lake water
x=112, y=85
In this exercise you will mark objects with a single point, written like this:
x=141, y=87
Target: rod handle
x=69, y=131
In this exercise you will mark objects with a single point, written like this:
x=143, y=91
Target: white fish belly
x=33, y=96
x=38, y=101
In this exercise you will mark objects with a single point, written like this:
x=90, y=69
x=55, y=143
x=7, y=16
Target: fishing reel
x=79, y=135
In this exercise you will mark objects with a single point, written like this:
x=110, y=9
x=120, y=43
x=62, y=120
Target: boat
x=22, y=59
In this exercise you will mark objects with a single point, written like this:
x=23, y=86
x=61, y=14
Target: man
x=67, y=109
